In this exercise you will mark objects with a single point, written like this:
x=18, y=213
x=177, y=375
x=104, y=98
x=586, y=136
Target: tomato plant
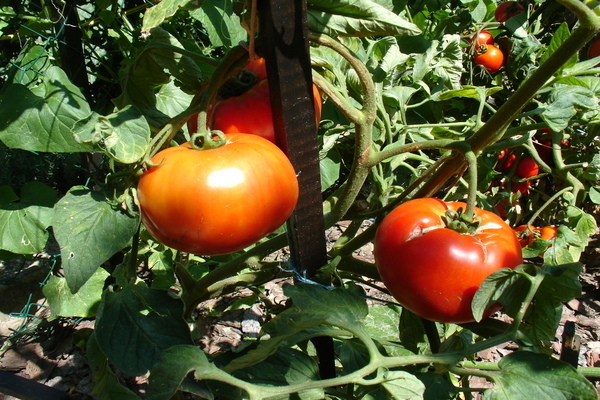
x=507, y=10
x=217, y=201
x=489, y=57
x=434, y=270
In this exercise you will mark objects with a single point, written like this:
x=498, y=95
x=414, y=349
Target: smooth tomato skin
x=435, y=271
x=217, y=201
x=594, y=50
x=483, y=37
x=491, y=58
x=527, y=167
x=507, y=10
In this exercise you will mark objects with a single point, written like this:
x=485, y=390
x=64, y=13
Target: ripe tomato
x=250, y=111
x=507, y=10
x=522, y=187
x=490, y=57
x=527, y=234
x=483, y=37
x=527, y=167
x=506, y=160
x=217, y=201
x=594, y=49
x=435, y=271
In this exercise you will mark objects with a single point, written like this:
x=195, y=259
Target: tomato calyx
x=208, y=140
x=238, y=84
x=460, y=221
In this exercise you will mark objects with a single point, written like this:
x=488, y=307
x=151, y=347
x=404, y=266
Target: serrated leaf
x=506, y=286
x=123, y=135
x=565, y=102
x=403, y=386
x=136, y=324
x=43, y=120
x=107, y=385
x=221, y=23
x=23, y=224
x=356, y=18
x=89, y=229
x=82, y=304
x=533, y=375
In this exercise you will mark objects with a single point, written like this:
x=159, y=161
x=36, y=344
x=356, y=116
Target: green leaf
x=174, y=364
x=23, y=224
x=403, y=386
x=320, y=301
x=161, y=265
x=42, y=119
x=356, y=18
x=592, y=172
x=564, y=103
x=285, y=367
x=594, y=195
x=82, y=304
x=153, y=68
x=506, y=286
x=558, y=37
x=90, y=229
x=123, y=135
x=107, y=385
x=533, y=375
x=221, y=23
x=155, y=15
x=352, y=354
x=136, y=324
x=382, y=322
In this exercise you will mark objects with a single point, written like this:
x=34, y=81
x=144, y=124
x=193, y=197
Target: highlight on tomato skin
x=434, y=271
x=489, y=57
x=217, y=201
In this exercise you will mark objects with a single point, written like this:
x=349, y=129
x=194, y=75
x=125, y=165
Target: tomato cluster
x=525, y=167
x=433, y=269
x=247, y=108
x=486, y=53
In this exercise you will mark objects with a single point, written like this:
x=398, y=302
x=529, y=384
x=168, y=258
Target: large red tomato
x=250, y=111
x=507, y=10
x=217, y=201
x=434, y=271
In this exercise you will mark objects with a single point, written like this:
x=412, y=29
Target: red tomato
x=527, y=234
x=490, y=57
x=217, y=201
x=435, y=271
x=527, y=167
x=506, y=160
x=249, y=112
x=483, y=37
x=594, y=49
x=522, y=187
x=507, y=10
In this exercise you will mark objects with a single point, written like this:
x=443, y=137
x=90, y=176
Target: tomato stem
x=208, y=140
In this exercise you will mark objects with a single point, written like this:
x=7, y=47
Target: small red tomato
x=433, y=270
x=527, y=167
x=527, y=234
x=508, y=9
x=522, y=187
x=483, y=37
x=594, y=49
x=506, y=160
x=489, y=57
